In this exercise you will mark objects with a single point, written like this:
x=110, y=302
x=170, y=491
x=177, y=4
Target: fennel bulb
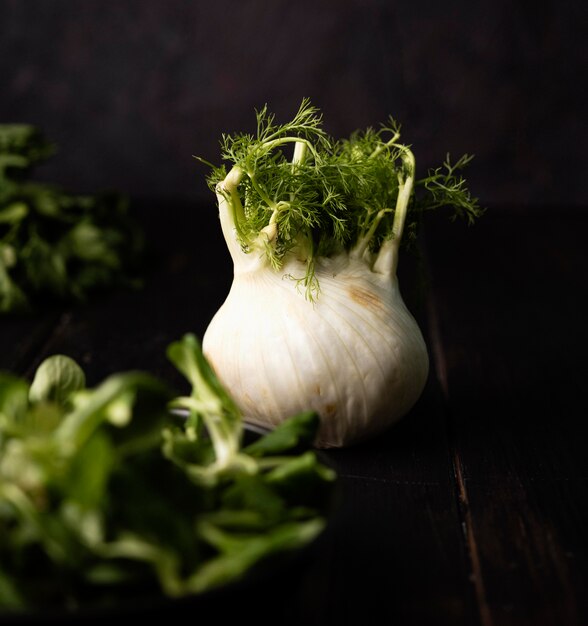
x=314, y=319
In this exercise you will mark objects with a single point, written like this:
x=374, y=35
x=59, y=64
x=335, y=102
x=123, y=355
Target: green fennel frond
x=251, y=152
x=327, y=195
x=446, y=187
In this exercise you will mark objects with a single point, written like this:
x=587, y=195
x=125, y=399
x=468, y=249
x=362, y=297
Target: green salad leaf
x=128, y=489
x=55, y=245
x=56, y=379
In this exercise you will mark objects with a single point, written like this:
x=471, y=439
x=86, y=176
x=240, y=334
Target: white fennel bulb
x=314, y=319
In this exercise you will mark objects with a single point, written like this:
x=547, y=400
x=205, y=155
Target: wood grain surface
x=472, y=509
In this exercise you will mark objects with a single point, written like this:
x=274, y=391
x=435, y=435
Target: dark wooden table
x=470, y=511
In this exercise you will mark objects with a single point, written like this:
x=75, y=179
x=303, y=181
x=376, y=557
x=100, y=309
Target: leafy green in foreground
x=53, y=244
x=105, y=493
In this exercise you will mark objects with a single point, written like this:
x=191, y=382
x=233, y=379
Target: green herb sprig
x=292, y=188
x=54, y=245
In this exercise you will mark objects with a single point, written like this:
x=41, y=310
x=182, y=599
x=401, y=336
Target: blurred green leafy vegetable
x=127, y=488
x=53, y=244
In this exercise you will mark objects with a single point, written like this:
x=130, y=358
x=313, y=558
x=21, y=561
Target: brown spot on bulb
x=366, y=298
x=329, y=410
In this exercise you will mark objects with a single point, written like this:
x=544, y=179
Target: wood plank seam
x=467, y=528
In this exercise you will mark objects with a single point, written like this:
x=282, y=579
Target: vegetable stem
x=270, y=145
x=299, y=153
x=229, y=187
x=405, y=187
x=387, y=259
x=380, y=147
x=260, y=190
x=232, y=217
x=224, y=439
x=360, y=248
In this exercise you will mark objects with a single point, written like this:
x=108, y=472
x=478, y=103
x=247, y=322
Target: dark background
x=470, y=511
x=131, y=89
